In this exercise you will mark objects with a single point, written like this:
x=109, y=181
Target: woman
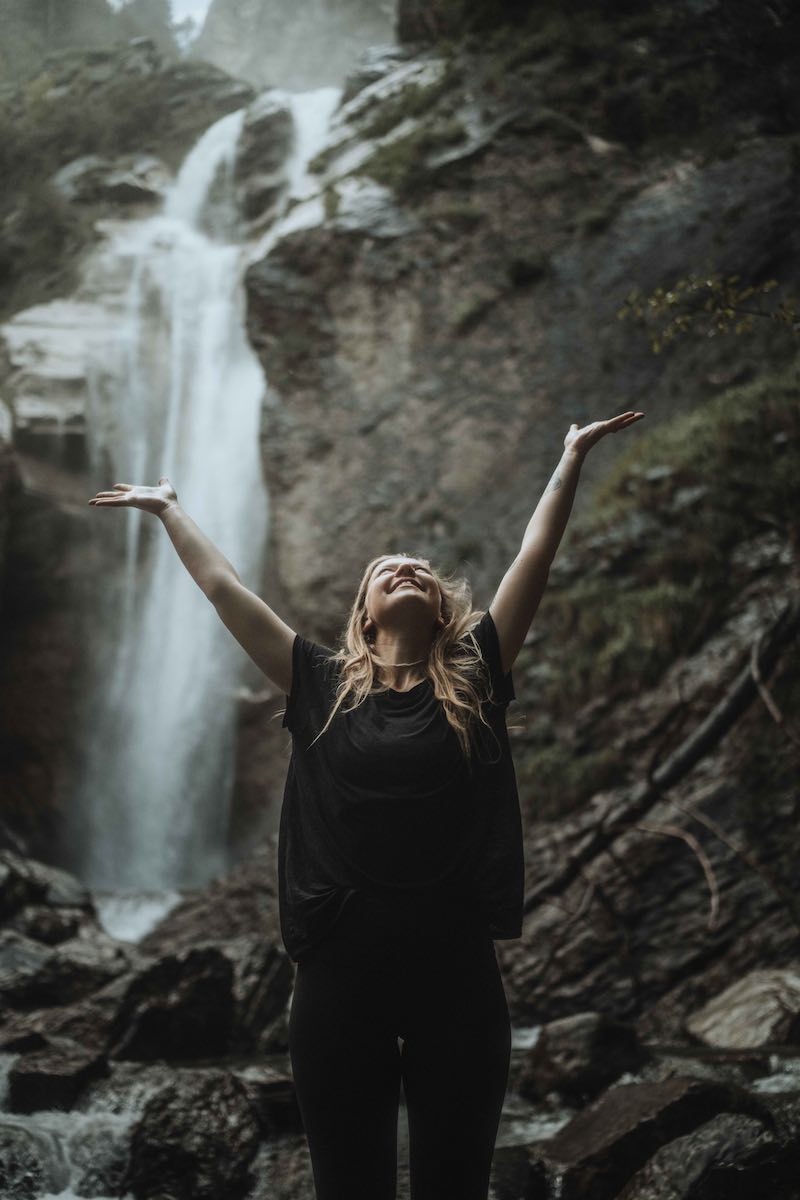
x=400, y=856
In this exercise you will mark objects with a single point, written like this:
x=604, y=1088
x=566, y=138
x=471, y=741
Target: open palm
x=582, y=439
x=129, y=495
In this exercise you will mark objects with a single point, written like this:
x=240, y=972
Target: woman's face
x=403, y=591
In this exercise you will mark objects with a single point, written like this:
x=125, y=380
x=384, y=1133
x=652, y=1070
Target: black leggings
x=371, y=981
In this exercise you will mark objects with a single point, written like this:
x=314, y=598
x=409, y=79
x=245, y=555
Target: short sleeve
x=485, y=633
x=311, y=675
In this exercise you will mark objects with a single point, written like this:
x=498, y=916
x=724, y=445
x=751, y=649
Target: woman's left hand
x=582, y=440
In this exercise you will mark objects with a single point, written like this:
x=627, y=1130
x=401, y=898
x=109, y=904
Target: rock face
x=311, y=44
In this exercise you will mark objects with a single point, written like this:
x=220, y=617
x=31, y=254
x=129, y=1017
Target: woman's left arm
x=518, y=596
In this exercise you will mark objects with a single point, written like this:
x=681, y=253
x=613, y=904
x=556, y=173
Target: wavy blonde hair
x=455, y=666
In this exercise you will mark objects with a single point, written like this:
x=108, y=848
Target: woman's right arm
x=258, y=630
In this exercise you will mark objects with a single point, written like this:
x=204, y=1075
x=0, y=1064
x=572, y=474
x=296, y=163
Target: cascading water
x=182, y=397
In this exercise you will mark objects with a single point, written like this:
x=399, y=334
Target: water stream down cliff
x=180, y=395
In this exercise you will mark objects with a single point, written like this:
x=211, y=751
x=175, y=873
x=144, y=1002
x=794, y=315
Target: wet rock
x=35, y=974
x=603, y=1146
x=263, y=977
x=262, y=150
x=25, y=1167
x=273, y=1098
x=266, y=135
x=179, y=1007
x=730, y=1155
x=375, y=63
x=365, y=207
x=26, y=881
x=86, y=1022
x=578, y=1056
x=53, y=1077
x=762, y=1007
x=98, y=1155
x=131, y=179
x=46, y=924
x=195, y=1140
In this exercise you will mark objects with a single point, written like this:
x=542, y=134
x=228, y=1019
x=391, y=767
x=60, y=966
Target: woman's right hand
x=128, y=495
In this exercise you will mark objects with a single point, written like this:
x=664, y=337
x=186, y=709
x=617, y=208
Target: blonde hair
x=457, y=669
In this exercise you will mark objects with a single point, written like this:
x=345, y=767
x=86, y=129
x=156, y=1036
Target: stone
x=272, y=1095
x=761, y=1008
x=578, y=1056
x=729, y=1148
x=53, y=1077
x=34, y=974
x=603, y=1146
x=25, y=1166
x=26, y=880
x=179, y=1007
x=195, y=1139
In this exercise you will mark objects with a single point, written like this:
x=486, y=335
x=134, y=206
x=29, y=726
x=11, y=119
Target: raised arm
x=258, y=630
x=517, y=598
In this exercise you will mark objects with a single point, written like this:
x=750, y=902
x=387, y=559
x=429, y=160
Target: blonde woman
x=400, y=856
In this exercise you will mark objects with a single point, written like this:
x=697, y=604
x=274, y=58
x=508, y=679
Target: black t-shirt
x=385, y=804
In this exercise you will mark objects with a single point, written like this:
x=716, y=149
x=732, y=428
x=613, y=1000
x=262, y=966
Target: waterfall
x=181, y=395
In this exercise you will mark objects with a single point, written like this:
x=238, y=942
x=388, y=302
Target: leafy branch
x=711, y=305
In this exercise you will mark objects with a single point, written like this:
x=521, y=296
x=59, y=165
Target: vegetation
x=709, y=304
x=35, y=28
x=83, y=102
x=402, y=164
x=659, y=558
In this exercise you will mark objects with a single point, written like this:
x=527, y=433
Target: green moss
x=656, y=574
x=416, y=100
x=331, y=203
x=617, y=638
x=402, y=164
x=42, y=236
x=743, y=445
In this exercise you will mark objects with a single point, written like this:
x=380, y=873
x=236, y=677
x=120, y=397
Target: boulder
x=761, y=1008
x=272, y=1095
x=730, y=1155
x=53, y=1077
x=195, y=1139
x=26, y=1168
x=26, y=882
x=603, y=1146
x=35, y=974
x=262, y=984
x=578, y=1056
x=179, y=1007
